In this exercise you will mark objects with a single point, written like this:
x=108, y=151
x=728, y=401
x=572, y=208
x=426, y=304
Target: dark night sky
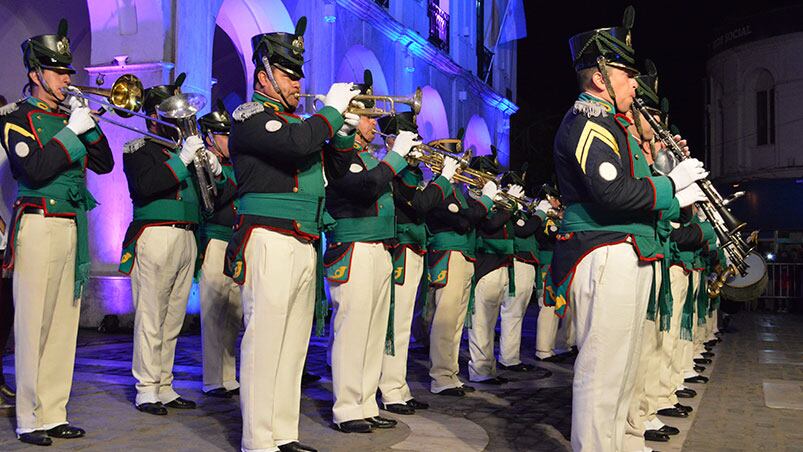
x=674, y=35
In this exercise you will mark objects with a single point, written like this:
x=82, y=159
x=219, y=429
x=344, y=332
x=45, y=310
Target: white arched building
x=754, y=116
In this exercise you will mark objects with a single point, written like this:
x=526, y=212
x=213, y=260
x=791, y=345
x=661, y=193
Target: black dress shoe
x=551, y=359
x=417, y=405
x=673, y=412
x=355, y=426
x=295, y=446
x=699, y=369
x=520, y=367
x=711, y=343
x=381, y=422
x=399, y=408
x=152, y=408
x=181, y=404
x=702, y=361
x=467, y=388
x=308, y=378
x=684, y=394
x=696, y=379
x=454, y=392
x=66, y=431
x=655, y=435
x=7, y=392
x=220, y=393
x=234, y=392
x=669, y=430
x=685, y=408
x=38, y=438
x=496, y=381
x=707, y=354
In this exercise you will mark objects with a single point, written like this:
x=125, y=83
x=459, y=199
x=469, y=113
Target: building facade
x=443, y=46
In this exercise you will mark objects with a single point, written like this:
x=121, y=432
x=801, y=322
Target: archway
x=432, y=121
x=478, y=137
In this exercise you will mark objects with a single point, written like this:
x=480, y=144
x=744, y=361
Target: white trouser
x=489, y=293
x=160, y=287
x=221, y=319
x=513, y=310
x=278, y=306
x=360, y=308
x=45, y=320
x=451, y=302
x=670, y=375
x=553, y=335
x=609, y=295
x=393, y=381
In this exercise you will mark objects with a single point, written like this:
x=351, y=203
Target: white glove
x=80, y=121
x=405, y=141
x=350, y=123
x=517, y=191
x=214, y=163
x=76, y=103
x=490, y=189
x=543, y=206
x=686, y=173
x=190, y=147
x=340, y=95
x=690, y=195
x=449, y=167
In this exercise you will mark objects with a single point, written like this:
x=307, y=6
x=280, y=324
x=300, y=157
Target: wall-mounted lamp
x=127, y=18
x=329, y=13
x=409, y=64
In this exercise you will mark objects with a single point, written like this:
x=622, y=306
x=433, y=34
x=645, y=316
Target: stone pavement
x=532, y=412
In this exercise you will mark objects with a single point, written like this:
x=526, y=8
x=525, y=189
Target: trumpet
x=413, y=101
x=125, y=99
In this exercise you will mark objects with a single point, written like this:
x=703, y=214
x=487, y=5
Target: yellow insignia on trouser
x=441, y=276
x=398, y=272
x=126, y=257
x=560, y=302
x=339, y=272
x=238, y=269
x=591, y=131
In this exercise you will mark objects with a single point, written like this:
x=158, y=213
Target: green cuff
x=179, y=168
x=333, y=117
x=486, y=201
x=708, y=232
x=673, y=212
x=444, y=184
x=71, y=143
x=664, y=192
x=540, y=214
x=343, y=142
x=221, y=180
x=92, y=136
x=395, y=162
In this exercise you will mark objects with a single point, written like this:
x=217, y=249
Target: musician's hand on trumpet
x=490, y=189
x=80, y=120
x=515, y=191
x=543, y=206
x=340, y=95
x=450, y=166
x=350, y=123
x=190, y=148
x=404, y=143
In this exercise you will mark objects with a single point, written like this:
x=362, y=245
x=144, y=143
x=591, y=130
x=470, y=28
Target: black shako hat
x=612, y=44
x=283, y=50
x=49, y=51
x=154, y=95
x=393, y=124
x=216, y=121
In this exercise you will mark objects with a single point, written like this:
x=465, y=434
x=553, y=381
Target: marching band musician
x=451, y=257
x=221, y=311
x=359, y=268
x=277, y=160
x=159, y=251
x=607, y=241
x=525, y=266
x=412, y=202
x=492, y=273
x=48, y=247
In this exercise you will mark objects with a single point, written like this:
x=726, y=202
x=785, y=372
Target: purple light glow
x=477, y=137
x=432, y=121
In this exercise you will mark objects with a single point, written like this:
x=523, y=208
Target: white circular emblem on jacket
x=22, y=149
x=453, y=208
x=607, y=171
x=355, y=168
x=273, y=125
x=520, y=222
x=553, y=228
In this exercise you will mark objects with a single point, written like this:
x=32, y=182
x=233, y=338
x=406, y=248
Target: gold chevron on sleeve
x=590, y=132
x=18, y=129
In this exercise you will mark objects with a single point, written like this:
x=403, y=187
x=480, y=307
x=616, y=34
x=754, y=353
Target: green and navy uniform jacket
x=278, y=160
x=608, y=190
x=413, y=201
x=495, y=245
x=525, y=246
x=163, y=193
x=218, y=225
x=361, y=203
x=49, y=163
x=452, y=226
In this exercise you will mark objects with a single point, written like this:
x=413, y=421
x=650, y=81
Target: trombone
x=125, y=99
x=414, y=102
